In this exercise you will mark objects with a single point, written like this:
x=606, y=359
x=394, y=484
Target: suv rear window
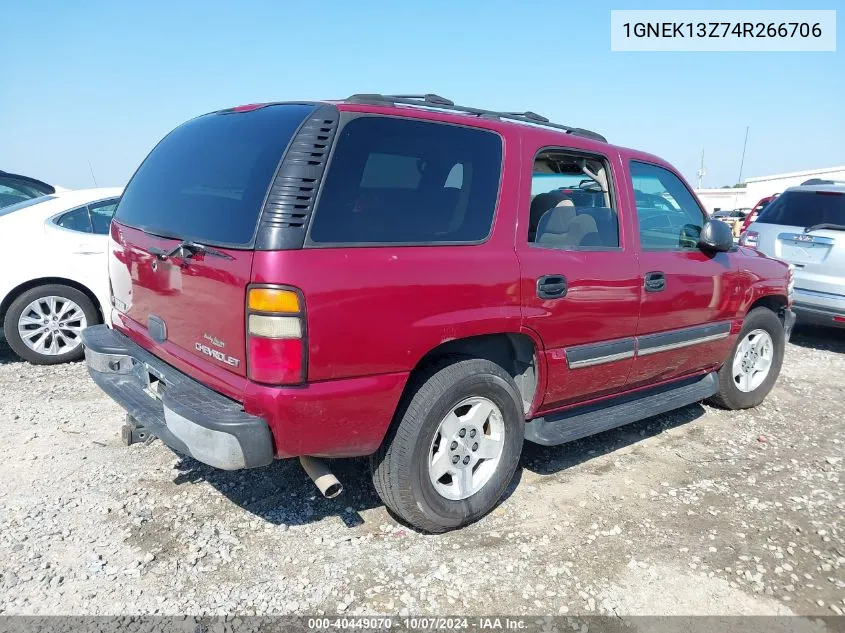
x=207, y=180
x=805, y=208
x=400, y=181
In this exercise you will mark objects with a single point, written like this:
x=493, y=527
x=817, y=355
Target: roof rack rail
x=430, y=100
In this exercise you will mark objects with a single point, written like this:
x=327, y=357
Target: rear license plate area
x=152, y=381
x=801, y=248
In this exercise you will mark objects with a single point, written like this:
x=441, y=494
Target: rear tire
x=466, y=416
x=742, y=382
x=77, y=310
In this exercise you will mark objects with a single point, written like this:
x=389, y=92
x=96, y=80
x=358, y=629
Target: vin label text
x=723, y=30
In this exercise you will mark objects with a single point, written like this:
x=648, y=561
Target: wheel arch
x=18, y=290
x=516, y=352
x=777, y=303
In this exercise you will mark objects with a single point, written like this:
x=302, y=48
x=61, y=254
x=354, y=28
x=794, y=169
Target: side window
x=400, y=181
x=13, y=193
x=76, y=220
x=571, y=203
x=668, y=214
x=101, y=215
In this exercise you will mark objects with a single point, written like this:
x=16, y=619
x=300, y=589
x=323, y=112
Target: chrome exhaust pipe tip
x=322, y=476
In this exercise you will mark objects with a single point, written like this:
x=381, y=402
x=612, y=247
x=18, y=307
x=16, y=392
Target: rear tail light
x=790, y=284
x=273, y=300
x=839, y=319
x=749, y=239
x=275, y=328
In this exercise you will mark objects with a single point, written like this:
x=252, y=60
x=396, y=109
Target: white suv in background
x=805, y=226
x=53, y=272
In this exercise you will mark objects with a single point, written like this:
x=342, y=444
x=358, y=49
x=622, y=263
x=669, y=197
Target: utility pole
x=701, y=172
x=742, y=160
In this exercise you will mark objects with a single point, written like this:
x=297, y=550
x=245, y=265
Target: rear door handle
x=551, y=287
x=655, y=281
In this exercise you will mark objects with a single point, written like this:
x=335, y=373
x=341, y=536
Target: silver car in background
x=805, y=227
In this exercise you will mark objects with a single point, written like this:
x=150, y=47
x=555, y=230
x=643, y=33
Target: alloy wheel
x=52, y=325
x=753, y=360
x=466, y=448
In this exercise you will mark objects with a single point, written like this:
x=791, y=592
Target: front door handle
x=655, y=281
x=551, y=287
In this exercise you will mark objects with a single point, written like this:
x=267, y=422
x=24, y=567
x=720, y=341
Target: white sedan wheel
x=52, y=325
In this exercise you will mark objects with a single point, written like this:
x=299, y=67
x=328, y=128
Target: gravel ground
x=701, y=511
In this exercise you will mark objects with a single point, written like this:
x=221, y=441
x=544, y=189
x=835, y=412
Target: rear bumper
x=819, y=308
x=816, y=315
x=187, y=416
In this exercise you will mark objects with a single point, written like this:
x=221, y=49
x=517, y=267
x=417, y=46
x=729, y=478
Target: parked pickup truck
x=424, y=283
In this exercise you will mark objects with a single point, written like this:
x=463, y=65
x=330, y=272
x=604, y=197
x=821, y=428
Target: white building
x=762, y=186
x=715, y=199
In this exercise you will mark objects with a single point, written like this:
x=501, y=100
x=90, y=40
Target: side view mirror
x=716, y=237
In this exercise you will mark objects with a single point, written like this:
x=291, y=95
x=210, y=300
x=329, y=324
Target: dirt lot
x=698, y=512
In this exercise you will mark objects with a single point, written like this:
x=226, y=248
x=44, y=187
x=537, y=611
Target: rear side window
x=571, y=206
x=207, y=180
x=400, y=181
x=76, y=220
x=101, y=215
x=805, y=208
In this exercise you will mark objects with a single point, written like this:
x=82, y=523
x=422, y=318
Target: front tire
x=43, y=325
x=454, y=446
x=751, y=370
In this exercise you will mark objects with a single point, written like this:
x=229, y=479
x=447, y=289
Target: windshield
x=24, y=204
x=805, y=209
x=207, y=180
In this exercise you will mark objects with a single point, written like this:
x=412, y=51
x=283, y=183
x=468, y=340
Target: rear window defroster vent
x=284, y=220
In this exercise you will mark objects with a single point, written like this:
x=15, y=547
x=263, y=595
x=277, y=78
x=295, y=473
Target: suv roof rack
x=430, y=100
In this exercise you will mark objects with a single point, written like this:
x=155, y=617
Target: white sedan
x=53, y=272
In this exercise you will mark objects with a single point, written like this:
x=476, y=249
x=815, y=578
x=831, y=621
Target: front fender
x=763, y=277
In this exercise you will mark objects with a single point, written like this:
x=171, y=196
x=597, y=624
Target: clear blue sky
x=105, y=80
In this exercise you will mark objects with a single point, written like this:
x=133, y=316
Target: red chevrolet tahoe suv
x=424, y=283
